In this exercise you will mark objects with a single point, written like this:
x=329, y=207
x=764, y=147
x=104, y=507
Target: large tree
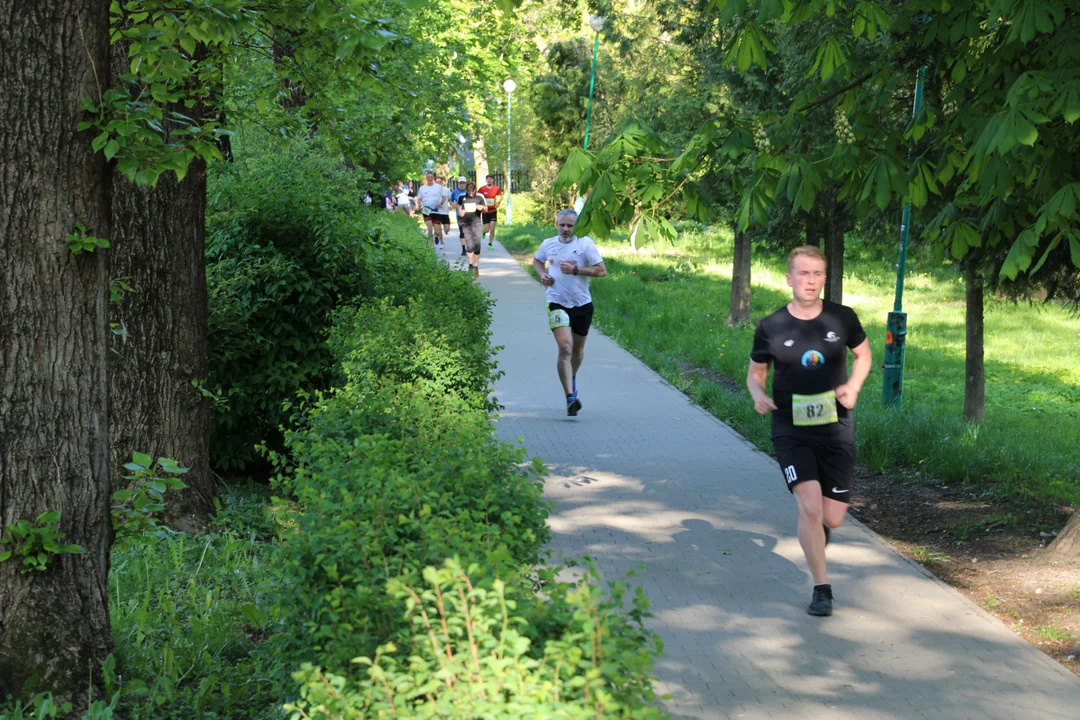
x=54, y=434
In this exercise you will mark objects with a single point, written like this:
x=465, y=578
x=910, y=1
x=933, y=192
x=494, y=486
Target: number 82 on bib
x=817, y=409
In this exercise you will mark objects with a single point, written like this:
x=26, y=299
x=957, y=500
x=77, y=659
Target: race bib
x=426, y=210
x=490, y=202
x=558, y=319
x=470, y=207
x=814, y=409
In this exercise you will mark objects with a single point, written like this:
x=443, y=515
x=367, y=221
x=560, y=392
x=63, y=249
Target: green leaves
x=884, y=178
x=573, y=169
x=869, y=18
x=748, y=48
x=830, y=57
x=80, y=240
x=136, y=508
x=35, y=542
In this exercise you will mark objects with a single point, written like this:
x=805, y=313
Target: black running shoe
x=573, y=407
x=828, y=532
x=821, y=605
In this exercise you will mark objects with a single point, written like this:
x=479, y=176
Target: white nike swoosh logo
x=838, y=490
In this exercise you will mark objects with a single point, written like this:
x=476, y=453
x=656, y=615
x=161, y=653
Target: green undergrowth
x=669, y=308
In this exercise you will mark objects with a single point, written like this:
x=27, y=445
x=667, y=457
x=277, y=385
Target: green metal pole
x=509, y=183
x=896, y=325
x=592, y=84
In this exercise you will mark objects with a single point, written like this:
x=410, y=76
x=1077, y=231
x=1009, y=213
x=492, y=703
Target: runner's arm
x=598, y=270
x=755, y=383
x=848, y=393
x=541, y=270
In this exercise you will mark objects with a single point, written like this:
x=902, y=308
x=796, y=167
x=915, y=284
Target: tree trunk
x=158, y=242
x=740, y=281
x=974, y=375
x=1066, y=545
x=834, y=251
x=814, y=229
x=480, y=159
x=54, y=625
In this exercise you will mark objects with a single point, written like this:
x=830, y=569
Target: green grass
x=191, y=615
x=669, y=306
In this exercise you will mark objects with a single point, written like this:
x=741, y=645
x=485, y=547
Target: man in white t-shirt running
x=565, y=263
x=432, y=195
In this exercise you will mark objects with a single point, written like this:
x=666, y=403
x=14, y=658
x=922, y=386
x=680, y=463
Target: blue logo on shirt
x=813, y=359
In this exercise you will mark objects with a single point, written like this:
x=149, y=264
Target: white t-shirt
x=569, y=290
x=431, y=196
x=403, y=196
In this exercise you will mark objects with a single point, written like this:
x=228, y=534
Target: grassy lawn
x=668, y=307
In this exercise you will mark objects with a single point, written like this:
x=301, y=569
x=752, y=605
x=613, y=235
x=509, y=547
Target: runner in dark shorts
x=469, y=211
x=813, y=427
x=565, y=263
x=491, y=193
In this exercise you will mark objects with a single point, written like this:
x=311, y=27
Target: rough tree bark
x=54, y=625
x=1066, y=545
x=834, y=250
x=158, y=242
x=740, y=281
x=974, y=374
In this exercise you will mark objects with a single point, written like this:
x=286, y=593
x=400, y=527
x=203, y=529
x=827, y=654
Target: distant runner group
x=476, y=209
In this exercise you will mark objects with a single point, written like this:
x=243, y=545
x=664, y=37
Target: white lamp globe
x=596, y=22
x=509, y=86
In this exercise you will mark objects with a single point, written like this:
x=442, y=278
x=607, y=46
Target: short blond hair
x=807, y=250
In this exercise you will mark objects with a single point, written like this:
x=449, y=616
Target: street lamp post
x=596, y=22
x=509, y=86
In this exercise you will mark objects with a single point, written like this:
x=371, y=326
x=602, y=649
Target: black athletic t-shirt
x=808, y=357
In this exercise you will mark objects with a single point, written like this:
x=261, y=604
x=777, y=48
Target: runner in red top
x=491, y=193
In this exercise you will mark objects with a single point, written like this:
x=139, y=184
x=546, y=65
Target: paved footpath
x=644, y=476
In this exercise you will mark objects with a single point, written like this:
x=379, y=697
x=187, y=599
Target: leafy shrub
x=535, y=208
x=393, y=478
x=285, y=247
x=470, y=659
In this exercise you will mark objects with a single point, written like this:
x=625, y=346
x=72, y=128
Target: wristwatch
x=575, y=269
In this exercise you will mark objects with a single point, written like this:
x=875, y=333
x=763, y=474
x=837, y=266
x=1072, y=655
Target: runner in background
x=455, y=195
x=404, y=199
x=430, y=198
x=444, y=208
x=470, y=208
x=491, y=193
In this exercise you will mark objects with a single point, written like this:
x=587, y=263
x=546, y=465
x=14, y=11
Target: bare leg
x=834, y=512
x=811, y=534
x=563, y=337
x=490, y=230
x=578, y=353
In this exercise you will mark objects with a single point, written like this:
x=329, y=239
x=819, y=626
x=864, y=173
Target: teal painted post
x=896, y=324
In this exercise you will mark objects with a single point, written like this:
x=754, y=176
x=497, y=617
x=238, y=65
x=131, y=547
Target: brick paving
x=645, y=476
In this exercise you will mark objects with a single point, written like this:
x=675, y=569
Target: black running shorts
x=490, y=217
x=580, y=317
x=830, y=461
x=439, y=219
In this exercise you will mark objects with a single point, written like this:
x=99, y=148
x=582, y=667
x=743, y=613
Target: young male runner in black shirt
x=813, y=428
